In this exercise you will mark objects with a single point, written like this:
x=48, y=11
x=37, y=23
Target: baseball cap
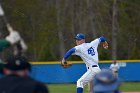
x=80, y=36
x=106, y=82
x=17, y=63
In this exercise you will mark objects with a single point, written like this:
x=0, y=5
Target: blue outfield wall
x=54, y=73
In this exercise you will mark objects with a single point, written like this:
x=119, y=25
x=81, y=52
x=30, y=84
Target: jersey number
x=91, y=51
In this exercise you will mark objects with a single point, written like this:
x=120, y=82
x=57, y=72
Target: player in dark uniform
x=17, y=79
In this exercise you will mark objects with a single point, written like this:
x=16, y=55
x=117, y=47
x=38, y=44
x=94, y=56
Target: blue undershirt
x=72, y=50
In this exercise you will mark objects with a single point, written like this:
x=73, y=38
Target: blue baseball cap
x=80, y=36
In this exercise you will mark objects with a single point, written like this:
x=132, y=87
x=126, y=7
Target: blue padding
x=57, y=74
x=54, y=73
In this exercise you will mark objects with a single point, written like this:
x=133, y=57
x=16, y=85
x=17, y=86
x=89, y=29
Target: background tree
x=48, y=26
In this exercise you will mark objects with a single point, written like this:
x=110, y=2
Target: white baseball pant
x=88, y=76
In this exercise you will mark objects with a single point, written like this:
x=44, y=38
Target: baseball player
x=13, y=39
x=115, y=67
x=89, y=54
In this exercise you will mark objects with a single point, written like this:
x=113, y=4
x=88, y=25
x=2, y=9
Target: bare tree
x=72, y=17
x=114, y=30
x=60, y=21
x=91, y=18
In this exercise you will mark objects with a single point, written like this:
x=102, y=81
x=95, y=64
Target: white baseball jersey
x=114, y=67
x=88, y=52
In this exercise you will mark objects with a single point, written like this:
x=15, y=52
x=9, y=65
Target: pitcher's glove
x=65, y=64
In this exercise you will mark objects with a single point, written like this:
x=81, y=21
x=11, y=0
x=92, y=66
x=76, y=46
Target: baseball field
x=127, y=87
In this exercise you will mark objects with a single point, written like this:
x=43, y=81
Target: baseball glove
x=65, y=64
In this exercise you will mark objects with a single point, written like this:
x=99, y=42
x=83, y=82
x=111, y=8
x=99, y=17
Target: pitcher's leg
x=88, y=76
x=90, y=86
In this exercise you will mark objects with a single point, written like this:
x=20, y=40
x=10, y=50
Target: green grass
x=71, y=88
x=130, y=86
x=62, y=88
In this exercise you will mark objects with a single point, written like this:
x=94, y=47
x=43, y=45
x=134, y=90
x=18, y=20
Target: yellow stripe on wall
x=80, y=62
